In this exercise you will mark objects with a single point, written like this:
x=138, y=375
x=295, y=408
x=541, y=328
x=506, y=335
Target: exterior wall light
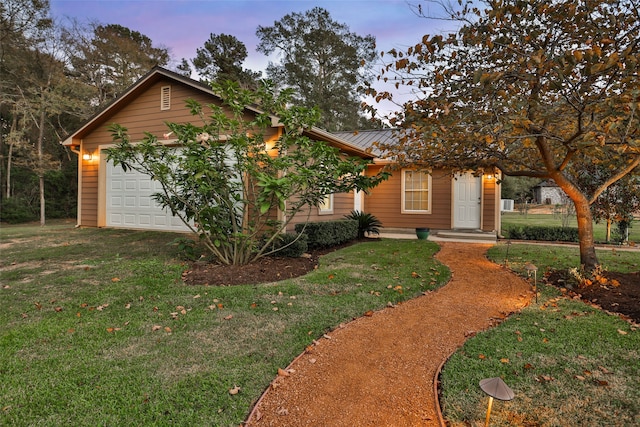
x=87, y=156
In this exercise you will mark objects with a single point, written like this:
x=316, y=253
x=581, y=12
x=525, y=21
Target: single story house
x=110, y=197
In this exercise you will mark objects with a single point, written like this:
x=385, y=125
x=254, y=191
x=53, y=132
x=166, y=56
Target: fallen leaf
x=235, y=390
x=368, y=313
x=602, y=383
x=579, y=377
x=156, y=327
x=167, y=329
x=528, y=366
x=110, y=330
x=115, y=279
x=229, y=317
x=331, y=276
x=282, y=373
x=415, y=275
x=196, y=296
x=482, y=356
x=38, y=305
x=127, y=306
x=58, y=309
x=220, y=306
x=621, y=332
x=253, y=305
x=504, y=360
x=78, y=314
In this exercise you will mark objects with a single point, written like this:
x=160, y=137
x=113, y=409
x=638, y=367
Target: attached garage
x=129, y=202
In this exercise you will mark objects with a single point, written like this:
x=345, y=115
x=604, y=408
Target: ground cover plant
x=568, y=362
x=100, y=329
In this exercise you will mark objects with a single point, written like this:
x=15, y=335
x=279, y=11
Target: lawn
x=510, y=219
x=568, y=363
x=100, y=330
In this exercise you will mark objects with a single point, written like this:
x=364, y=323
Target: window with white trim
x=165, y=98
x=326, y=206
x=416, y=192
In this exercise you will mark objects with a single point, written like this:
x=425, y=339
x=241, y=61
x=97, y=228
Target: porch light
x=87, y=156
x=495, y=388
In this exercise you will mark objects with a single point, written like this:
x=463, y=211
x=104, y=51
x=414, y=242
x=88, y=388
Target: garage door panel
x=130, y=203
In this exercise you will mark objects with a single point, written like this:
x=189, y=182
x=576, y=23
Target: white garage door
x=129, y=202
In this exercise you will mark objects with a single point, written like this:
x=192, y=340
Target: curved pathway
x=381, y=370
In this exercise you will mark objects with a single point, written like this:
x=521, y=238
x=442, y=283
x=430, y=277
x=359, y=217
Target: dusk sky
x=184, y=25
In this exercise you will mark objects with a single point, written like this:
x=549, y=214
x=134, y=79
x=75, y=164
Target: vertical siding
x=490, y=199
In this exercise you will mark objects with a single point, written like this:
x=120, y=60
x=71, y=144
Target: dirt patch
x=617, y=293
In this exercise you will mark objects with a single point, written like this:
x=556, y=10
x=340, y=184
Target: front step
x=440, y=235
x=467, y=235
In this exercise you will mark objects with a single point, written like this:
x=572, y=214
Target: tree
x=221, y=59
x=533, y=88
x=226, y=180
x=322, y=61
x=110, y=57
x=617, y=203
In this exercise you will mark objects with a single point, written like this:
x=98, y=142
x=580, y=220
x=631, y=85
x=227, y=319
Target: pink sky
x=184, y=25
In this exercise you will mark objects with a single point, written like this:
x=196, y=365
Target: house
x=548, y=193
x=436, y=199
x=110, y=197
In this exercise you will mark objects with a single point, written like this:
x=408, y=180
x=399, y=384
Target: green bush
x=15, y=210
x=289, y=245
x=329, y=233
x=367, y=223
x=543, y=233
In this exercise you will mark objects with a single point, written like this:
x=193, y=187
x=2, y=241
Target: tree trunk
x=588, y=258
x=41, y=166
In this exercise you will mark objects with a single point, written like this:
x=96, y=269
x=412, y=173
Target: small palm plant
x=367, y=223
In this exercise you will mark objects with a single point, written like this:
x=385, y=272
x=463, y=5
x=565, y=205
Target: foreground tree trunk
x=588, y=258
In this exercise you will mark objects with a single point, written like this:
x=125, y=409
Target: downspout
x=79, y=199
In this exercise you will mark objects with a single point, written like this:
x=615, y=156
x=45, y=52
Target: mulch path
x=381, y=370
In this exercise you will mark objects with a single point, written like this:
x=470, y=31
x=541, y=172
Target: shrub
x=15, y=210
x=367, y=223
x=289, y=245
x=329, y=233
x=548, y=234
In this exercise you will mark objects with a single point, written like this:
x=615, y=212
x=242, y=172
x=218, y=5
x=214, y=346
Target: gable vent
x=165, y=97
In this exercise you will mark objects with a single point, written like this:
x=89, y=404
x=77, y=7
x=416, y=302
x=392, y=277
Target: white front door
x=467, y=201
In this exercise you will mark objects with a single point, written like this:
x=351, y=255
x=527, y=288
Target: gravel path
x=381, y=370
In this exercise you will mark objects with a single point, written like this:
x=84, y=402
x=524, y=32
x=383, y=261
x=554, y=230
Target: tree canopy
x=322, y=61
x=532, y=88
x=221, y=59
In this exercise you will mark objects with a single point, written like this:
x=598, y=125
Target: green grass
x=568, y=363
x=510, y=219
x=99, y=329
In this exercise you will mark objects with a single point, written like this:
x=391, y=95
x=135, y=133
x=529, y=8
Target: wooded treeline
x=55, y=75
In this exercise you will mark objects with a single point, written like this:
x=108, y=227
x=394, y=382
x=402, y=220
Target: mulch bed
x=265, y=270
x=619, y=293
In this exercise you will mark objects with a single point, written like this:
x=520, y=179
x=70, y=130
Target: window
x=326, y=206
x=416, y=192
x=165, y=98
